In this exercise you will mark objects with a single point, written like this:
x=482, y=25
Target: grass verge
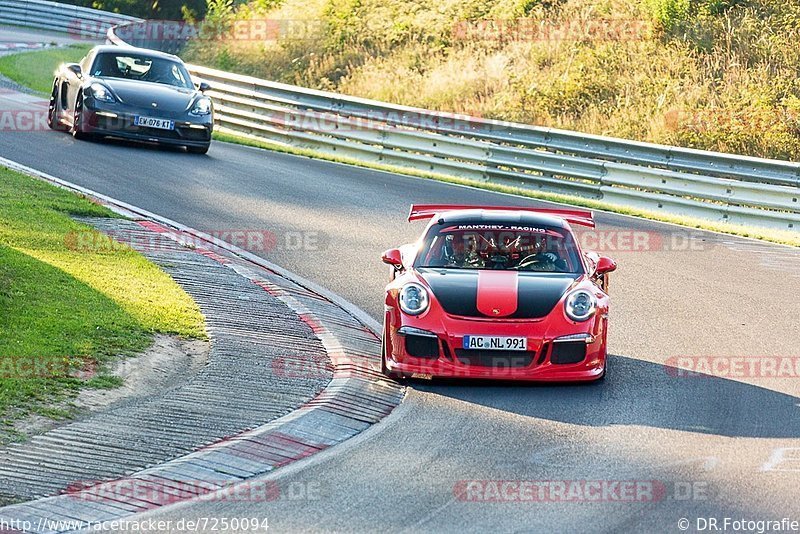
x=67, y=310
x=774, y=236
x=35, y=69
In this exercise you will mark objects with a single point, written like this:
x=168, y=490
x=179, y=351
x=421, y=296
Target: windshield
x=500, y=246
x=141, y=67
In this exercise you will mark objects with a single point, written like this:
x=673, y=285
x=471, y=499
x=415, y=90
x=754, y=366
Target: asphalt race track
x=716, y=447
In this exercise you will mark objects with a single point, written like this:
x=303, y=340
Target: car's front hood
x=490, y=293
x=144, y=94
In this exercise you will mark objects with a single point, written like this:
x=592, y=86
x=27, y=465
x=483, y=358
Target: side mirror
x=203, y=87
x=393, y=257
x=605, y=265
x=76, y=69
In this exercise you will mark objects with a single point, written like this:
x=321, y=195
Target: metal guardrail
x=671, y=180
x=82, y=22
x=713, y=186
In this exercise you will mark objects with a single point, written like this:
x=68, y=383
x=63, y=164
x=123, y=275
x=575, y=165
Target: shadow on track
x=636, y=392
x=137, y=145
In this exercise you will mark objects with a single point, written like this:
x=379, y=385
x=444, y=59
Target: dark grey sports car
x=132, y=93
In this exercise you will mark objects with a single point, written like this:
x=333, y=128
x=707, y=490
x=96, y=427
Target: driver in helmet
x=161, y=72
x=461, y=251
x=537, y=257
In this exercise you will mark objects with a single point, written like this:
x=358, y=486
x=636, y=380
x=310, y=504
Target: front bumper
x=114, y=122
x=549, y=357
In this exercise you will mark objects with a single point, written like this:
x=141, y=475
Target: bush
x=668, y=14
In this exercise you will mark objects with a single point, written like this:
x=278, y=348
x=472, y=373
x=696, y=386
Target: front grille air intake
x=508, y=359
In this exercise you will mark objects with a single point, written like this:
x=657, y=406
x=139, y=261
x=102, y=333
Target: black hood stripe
x=457, y=291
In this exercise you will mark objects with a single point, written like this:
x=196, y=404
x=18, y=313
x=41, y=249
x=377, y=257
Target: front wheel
x=77, y=121
x=52, y=110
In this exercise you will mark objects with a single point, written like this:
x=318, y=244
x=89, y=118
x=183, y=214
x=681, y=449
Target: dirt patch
x=168, y=363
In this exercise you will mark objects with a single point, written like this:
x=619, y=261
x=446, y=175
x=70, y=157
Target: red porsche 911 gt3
x=497, y=292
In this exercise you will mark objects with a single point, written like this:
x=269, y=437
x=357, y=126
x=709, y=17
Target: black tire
x=52, y=110
x=77, y=120
x=198, y=149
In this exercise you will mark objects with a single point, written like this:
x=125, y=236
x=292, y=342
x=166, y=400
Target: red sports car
x=497, y=292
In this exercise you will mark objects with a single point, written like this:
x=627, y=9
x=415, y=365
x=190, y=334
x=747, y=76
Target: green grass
x=35, y=69
x=774, y=236
x=68, y=310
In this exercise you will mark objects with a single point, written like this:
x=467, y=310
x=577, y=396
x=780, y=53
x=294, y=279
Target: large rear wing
x=427, y=211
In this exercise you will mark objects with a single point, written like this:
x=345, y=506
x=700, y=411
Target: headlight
x=201, y=107
x=580, y=305
x=101, y=93
x=413, y=299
